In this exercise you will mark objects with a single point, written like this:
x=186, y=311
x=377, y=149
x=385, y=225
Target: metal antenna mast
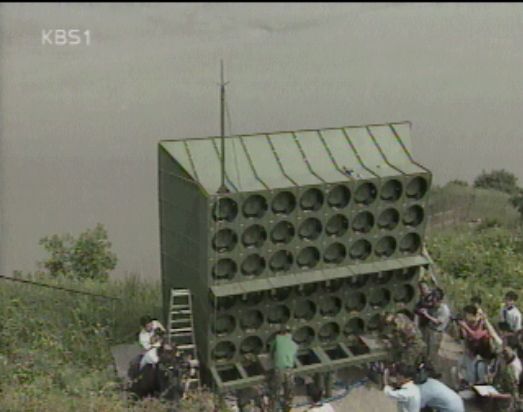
x=223, y=188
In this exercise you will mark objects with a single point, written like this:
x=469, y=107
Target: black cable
x=30, y=282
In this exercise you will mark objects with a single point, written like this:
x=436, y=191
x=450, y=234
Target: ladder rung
x=183, y=292
x=182, y=311
x=181, y=330
x=181, y=326
x=181, y=333
x=184, y=347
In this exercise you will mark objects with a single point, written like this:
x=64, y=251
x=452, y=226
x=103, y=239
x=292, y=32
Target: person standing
x=475, y=332
x=283, y=353
x=510, y=313
x=506, y=379
x=425, y=302
x=405, y=341
x=472, y=368
x=438, y=318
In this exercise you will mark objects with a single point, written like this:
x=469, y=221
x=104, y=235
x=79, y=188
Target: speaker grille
x=255, y=206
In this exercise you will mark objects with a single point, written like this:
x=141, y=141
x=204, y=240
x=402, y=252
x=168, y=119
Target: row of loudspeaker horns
x=312, y=228
x=306, y=310
x=305, y=336
x=353, y=285
x=350, y=284
x=309, y=257
x=313, y=199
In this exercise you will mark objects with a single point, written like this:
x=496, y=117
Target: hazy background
x=79, y=125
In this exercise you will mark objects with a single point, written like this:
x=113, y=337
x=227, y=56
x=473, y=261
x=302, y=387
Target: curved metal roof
x=266, y=161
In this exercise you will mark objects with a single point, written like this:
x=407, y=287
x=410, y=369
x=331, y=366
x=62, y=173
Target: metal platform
x=314, y=360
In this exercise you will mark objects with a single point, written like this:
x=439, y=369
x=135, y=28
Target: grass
x=484, y=260
x=470, y=203
x=55, y=346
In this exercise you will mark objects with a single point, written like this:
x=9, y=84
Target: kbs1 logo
x=63, y=37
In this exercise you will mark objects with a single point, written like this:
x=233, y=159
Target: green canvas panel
x=369, y=153
x=338, y=145
x=207, y=163
x=403, y=131
x=292, y=160
x=317, y=155
x=265, y=162
x=238, y=166
x=177, y=150
x=391, y=146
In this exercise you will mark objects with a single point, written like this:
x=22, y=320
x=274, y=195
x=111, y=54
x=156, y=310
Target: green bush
x=458, y=182
x=87, y=257
x=500, y=180
x=485, y=262
x=470, y=203
x=517, y=202
x=55, y=345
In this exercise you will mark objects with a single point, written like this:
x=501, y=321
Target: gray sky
x=79, y=125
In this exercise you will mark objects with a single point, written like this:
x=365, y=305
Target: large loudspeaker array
x=325, y=258
x=275, y=233
x=267, y=234
x=322, y=313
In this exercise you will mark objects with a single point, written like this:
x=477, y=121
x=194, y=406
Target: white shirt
x=325, y=407
x=145, y=337
x=513, y=317
x=150, y=357
x=408, y=397
x=442, y=313
x=516, y=367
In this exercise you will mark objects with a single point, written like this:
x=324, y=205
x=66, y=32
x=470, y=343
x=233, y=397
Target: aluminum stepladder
x=181, y=331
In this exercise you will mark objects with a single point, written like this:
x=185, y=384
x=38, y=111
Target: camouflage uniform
x=408, y=346
x=506, y=382
x=323, y=380
x=284, y=351
x=281, y=379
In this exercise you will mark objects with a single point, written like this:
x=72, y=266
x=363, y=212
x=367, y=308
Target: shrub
x=488, y=263
x=458, y=182
x=517, y=202
x=87, y=257
x=55, y=353
x=500, y=180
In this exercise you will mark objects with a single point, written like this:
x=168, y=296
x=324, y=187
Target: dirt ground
x=367, y=398
x=370, y=398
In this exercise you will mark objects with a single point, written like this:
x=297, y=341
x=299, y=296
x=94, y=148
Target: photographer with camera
x=437, y=318
x=480, y=341
x=150, y=328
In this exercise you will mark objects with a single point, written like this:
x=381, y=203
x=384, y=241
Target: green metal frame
x=267, y=164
